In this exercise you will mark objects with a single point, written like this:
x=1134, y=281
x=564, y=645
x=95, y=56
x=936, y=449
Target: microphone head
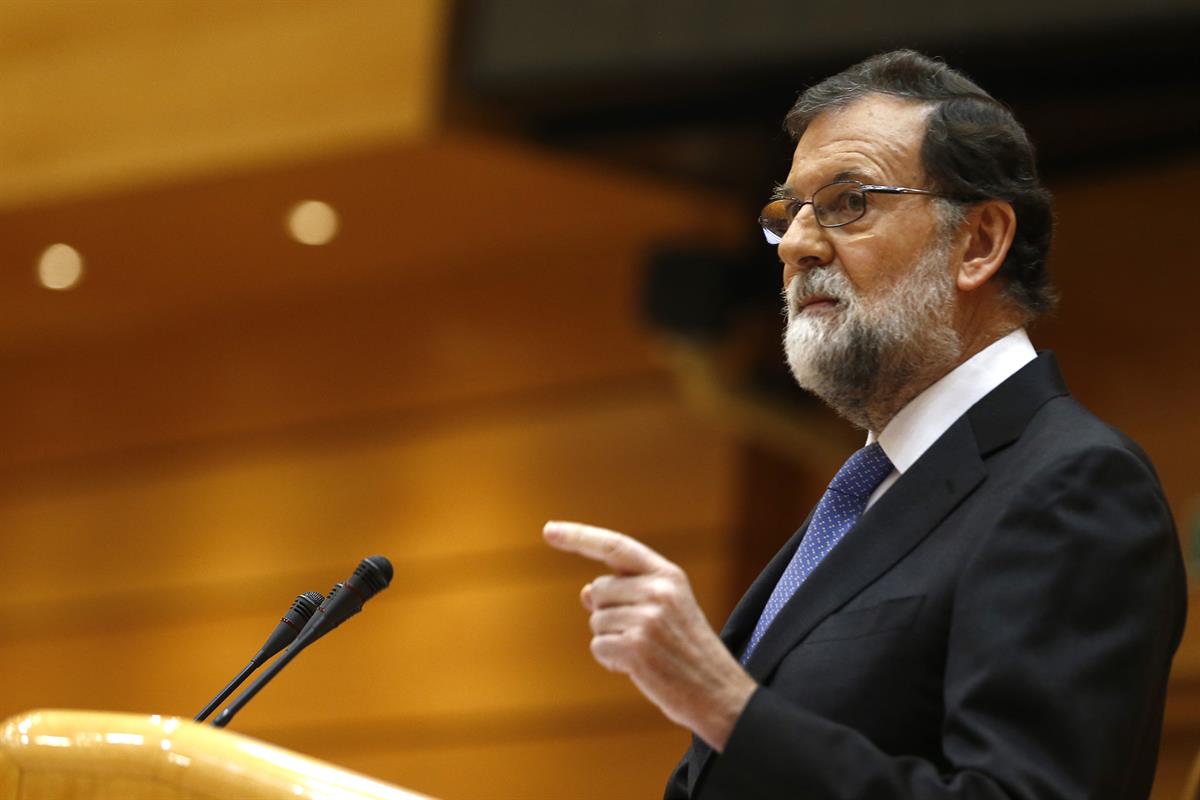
x=374, y=573
x=294, y=621
x=371, y=576
x=333, y=592
x=305, y=606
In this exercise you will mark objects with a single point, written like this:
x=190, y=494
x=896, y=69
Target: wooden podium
x=90, y=755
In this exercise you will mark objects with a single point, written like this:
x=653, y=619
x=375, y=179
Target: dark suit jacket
x=999, y=624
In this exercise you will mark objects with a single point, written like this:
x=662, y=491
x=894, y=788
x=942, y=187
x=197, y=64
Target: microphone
x=294, y=621
x=371, y=576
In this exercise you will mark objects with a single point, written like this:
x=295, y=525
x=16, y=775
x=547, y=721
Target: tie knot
x=863, y=472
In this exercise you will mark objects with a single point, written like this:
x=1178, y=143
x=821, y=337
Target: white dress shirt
x=919, y=424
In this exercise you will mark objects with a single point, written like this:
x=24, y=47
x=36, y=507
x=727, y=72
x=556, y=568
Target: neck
x=892, y=395
x=894, y=392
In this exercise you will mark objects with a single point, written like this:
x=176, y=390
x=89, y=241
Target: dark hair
x=974, y=149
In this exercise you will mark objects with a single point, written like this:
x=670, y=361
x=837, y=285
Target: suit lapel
x=900, y=519
x=745, y=614
x=889, y=529
x=942, y=478
x=1001, y=417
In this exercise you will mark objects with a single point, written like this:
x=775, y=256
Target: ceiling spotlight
x=312, y=222
x=60, y=267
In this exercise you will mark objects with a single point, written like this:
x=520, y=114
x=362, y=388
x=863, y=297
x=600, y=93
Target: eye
x=838, y=204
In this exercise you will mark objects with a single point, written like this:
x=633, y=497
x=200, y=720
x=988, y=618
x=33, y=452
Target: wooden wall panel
x=449, y=491
x=105, y=94
x=451, y=208
x=393, y=356
x=186, y=330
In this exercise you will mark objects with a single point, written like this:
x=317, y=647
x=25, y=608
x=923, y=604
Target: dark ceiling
x=698, y=88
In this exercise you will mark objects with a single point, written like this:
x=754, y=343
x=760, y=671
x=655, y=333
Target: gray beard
x=871, y=356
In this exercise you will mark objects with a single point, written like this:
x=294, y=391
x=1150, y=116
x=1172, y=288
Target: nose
x=804, y=245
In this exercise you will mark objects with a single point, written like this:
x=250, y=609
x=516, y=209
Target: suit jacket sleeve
x=1064, y=620
x=677, y=783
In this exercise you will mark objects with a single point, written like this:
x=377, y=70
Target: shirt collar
x=927, y=416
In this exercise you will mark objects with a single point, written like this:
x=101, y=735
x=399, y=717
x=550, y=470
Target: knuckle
x=662, y=590
x=656, y=590
x=599, y=591
x=653, y=617
x=614, y=545
x=598, y=653
x=605, y=654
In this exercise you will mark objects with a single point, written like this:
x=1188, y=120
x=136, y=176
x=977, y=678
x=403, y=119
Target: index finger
x=620, y=552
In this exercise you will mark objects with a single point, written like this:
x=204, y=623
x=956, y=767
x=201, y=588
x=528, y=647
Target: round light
x=312, y=222
x=60, y=267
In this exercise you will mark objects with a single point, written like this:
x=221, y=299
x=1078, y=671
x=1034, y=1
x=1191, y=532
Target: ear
x=989, y=229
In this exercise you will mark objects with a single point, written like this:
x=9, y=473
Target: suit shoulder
x=1069, y=463
x=1063, y=431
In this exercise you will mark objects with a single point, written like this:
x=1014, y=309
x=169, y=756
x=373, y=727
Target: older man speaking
x=986, y=600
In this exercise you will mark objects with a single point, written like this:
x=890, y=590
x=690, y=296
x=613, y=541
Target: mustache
x=811, y=283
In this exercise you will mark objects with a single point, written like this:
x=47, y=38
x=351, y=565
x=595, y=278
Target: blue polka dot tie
x=840, y=507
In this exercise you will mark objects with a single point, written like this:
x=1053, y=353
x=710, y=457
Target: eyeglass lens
x=833, y=205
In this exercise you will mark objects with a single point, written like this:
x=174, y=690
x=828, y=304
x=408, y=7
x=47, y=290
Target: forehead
x=877, y=138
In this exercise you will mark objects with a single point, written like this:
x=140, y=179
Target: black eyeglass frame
x=795, y=204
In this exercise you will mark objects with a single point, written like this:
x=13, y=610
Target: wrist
x=729, y=704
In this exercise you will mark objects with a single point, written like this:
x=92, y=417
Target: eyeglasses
x=834, y=205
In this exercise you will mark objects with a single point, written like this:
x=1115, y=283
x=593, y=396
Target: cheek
x=858, y=240
x=875, y=259
x=864, y=258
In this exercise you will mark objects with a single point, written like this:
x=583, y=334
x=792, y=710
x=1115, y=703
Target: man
x=986, y=600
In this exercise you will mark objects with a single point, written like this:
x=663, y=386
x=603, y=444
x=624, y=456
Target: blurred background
x=284, y=284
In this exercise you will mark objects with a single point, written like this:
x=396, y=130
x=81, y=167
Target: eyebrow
x=784, y=192
x=852, y=175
